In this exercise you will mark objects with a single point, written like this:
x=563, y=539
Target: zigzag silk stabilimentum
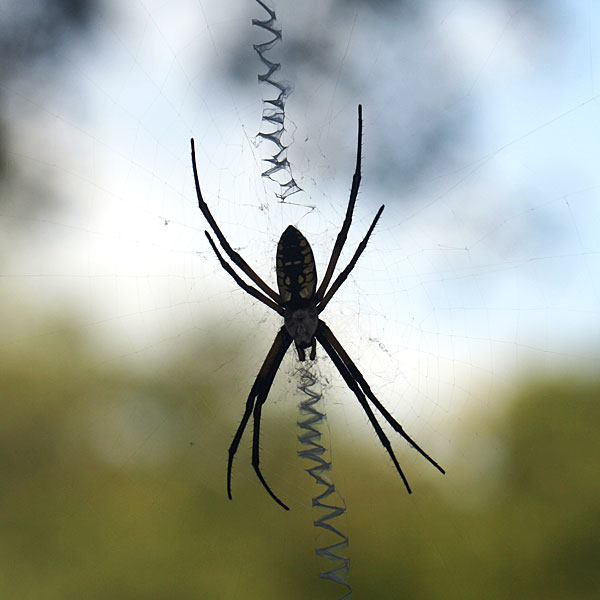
x=274, y=109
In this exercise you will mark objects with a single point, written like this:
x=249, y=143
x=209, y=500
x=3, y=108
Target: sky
x=480, y=137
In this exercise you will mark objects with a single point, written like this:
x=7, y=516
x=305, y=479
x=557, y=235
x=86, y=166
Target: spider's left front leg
x=324, y=336
x=327, y=334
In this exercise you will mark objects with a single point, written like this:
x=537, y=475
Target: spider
x=300, y=302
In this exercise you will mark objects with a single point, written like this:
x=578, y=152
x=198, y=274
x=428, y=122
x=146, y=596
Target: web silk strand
x=273, y=116
x=312, y=417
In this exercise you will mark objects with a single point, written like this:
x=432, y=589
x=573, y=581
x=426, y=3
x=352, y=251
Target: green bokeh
x=112, y=486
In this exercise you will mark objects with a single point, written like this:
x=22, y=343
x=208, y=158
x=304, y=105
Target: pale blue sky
x=483, y=267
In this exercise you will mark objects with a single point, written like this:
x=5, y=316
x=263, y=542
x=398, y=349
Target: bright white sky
x=482, y=269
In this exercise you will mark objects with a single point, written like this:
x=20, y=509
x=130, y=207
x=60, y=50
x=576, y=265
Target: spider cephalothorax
x=299, y=302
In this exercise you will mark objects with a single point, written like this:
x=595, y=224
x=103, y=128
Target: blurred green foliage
x=113, y=486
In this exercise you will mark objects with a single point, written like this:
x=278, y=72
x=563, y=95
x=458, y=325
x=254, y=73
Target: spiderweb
x=478, y=139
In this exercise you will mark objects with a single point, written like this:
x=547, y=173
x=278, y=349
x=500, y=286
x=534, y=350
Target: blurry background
x=126, y=353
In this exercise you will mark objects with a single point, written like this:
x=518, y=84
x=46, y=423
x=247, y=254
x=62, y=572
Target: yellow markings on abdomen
x=296, y=270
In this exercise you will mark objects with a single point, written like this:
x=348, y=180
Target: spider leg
x=258, y=393
x=233, y=255
x=256, y=449
x=322, y=335
x=247, y=288
x=357, y=376
x=344, y=274
x=343, y=234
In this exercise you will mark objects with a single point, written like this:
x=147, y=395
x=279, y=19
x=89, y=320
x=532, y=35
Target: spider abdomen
x=296, y=270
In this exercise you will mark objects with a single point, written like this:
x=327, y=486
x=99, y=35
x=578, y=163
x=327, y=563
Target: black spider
x=299, y=302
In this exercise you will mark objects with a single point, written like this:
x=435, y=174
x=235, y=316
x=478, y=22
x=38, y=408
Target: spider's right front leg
x=256, y=398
